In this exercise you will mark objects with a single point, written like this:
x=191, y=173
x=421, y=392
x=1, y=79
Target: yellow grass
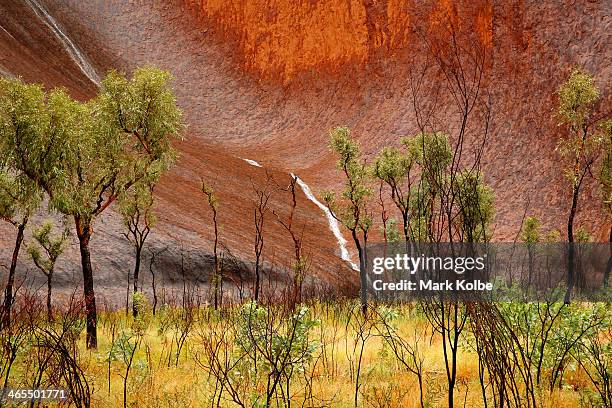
x=156, y=382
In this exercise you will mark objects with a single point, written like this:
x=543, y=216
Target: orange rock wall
x=282, y=37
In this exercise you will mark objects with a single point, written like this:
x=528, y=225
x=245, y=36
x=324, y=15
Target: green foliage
x=594, y=354
x=552, y=236
x=18, y=196
x=476, y=208
x=211, y=197
x=143, y=106
x=577, y=152
x=583, y=144
x=392, y=166
x=583, y=235
x=86, y=155
x=52, y=245
x=392, y=232
x=578, y=322
x=36, y=126
x=124, y=347
x=605, y=169
x=144, y=315
x=554, y=332
x=531, y=230
x=576, y=98
x=352, y=209
x=135, y=206
x=287, y=346
x=388, y=314
x=433, y=152
x=438, y=187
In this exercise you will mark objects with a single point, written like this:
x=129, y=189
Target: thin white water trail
x=7, y=33
x=251, y=162
x=69, y=46
x=333, y=223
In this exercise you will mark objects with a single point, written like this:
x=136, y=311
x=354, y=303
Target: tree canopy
x=86, y=155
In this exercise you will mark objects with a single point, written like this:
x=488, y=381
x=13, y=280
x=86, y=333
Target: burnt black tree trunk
x=363, y=276
x=571, y=255
x=139, y=226
x=259, y=213
x=609, y=265
x=84, y=232
x=49, y=288
x=259, y=244
x=136, y=275
x=8, y=292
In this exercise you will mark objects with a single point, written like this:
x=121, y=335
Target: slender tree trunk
x=49, y=283
x=530, y=272
x=454, y=348
x=405, y=225
x=570, y=240
x=216, y=276
x=127, y=295
x=8, y=292
x=84, y=232
x=363, y=290
x=152, y=261
x=257, y=281
x=136, y=273
x=258, y=251
x=609, y=265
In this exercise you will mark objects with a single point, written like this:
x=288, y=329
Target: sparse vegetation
x=318, y=355
x=283, y=348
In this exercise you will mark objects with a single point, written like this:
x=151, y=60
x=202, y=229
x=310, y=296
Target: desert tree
x=296, y=233
x=458, y=205
x=392, y=167
x=136, y=207
x=579, y=147
x=531, y=230
x=87, y=155
x=406, y=350
x=530, y=235
x=449, y=316
x=260, y=211
x=455, y=205
x=351, y=209
x=389, y=229
x=469, y=218
x=605, y=180
x=458, y=51
x=415, y=176
x=605, y=168
x=216, y=280
x=19, y=198
x=594, y=354
x=475, y=202
x=154, y=254
x=44, y=251
x=433, y=155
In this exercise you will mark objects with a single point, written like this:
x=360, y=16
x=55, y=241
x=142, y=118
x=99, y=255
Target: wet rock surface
x=266, y=80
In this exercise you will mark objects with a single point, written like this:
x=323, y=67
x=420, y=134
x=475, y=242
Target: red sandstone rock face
x=266, y=80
